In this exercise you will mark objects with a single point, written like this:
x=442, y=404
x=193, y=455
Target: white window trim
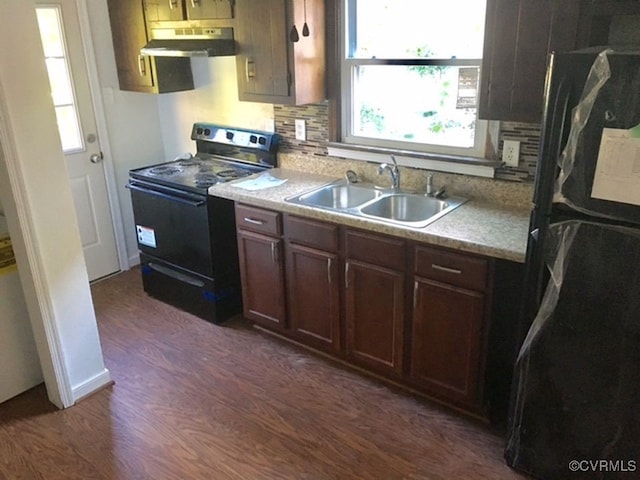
x=469, y=161
x=419, y=160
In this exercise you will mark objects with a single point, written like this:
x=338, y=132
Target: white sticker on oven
x=146, y=236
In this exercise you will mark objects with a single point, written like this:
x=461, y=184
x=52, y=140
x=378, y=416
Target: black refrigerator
x=575, y=400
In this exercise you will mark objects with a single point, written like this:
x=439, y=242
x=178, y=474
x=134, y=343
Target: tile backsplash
x=317, y=131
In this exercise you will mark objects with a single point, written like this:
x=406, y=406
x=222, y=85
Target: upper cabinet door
x=519, y=35
x=129, y=36
x=163, y=10
x=273, y=64
x=263, y=70
x=207, y=9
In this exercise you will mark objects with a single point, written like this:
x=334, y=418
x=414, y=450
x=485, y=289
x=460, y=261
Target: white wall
x=214, y=100
x=36, y=196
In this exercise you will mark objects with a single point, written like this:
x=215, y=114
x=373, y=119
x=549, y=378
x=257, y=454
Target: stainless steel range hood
x=190, y=41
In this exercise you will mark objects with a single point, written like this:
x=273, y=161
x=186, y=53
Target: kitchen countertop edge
x=477, y=226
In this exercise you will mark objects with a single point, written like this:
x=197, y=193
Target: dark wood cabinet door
x=136, y=72
x=262, y=273
x=313, y=287
x=163, y=10
x=375, y=299
x=129, y=36
x=208, y=9
x=270, y=66
x=447, y=346
x=519, y=35
x=263, y=69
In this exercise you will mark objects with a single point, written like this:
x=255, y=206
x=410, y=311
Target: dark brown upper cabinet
x=138, y=73
x=519, y=35
x=274, y=64
x=610, y=22
x=176, y=10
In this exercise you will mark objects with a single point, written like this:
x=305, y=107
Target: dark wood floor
x=193, y=400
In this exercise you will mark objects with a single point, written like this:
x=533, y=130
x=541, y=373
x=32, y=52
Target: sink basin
x=368, y=201
x=339, y=197
x=405, y=207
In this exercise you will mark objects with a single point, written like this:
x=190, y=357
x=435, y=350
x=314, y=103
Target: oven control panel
x=237, y=137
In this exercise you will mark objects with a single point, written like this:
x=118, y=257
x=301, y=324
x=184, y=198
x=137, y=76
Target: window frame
x=346, y=65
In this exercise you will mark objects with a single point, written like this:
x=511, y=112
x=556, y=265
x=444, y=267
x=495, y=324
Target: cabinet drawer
x=320, y=235
x=258, y=220
x=452, y=268
x=376, y=249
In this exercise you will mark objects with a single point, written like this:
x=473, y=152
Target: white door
x=62, y=43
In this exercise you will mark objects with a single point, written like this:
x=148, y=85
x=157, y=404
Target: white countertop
x=481, y=227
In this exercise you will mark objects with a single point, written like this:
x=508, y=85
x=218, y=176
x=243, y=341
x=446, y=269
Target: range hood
x=190, y=41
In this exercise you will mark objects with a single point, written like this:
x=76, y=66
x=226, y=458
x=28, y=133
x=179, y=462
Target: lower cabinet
x=416, y=314
x=313, y=282
x=375, y=298
x=448, y=327
x=261, y=266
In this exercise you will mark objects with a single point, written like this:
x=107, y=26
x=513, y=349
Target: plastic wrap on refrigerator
x=609, y=107
x=578, y=371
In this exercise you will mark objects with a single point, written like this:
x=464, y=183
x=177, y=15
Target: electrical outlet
x=511, y=152
x=301, y=130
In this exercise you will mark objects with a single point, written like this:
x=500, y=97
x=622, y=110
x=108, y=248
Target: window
x=50, y=24
x=410, y=75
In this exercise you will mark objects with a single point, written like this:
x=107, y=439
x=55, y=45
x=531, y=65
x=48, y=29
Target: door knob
x=96, y=158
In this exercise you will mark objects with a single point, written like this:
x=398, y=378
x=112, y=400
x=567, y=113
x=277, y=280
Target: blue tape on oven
x=217, y=296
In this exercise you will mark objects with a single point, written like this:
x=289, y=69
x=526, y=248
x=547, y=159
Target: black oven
x=186, y=238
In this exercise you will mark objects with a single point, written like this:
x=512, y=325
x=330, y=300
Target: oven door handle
x=173, y=198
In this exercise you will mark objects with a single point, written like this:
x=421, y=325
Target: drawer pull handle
x=346, y=275
x=415, y=294
x=255, y=222
x=329, y=270
x=455, y=271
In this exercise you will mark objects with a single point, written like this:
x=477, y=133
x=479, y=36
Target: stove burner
x=164, y=170
x=205, y=180
x=189, y=163
x=227, y=174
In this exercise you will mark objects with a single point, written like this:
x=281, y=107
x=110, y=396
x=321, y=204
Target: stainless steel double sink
x=387, y=205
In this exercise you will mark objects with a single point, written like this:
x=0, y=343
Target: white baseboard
x=91, y=385
x=134, y=260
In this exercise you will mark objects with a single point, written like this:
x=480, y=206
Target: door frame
x=56, y=308
x=103, y=134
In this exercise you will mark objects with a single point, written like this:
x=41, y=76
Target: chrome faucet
x=393, y=171
x=351, y=176
x=430, y=193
